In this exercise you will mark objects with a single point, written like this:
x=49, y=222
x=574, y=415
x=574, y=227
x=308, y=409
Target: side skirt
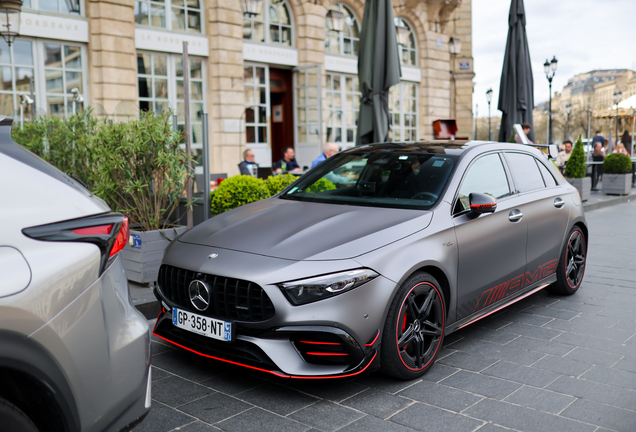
x=503, y=303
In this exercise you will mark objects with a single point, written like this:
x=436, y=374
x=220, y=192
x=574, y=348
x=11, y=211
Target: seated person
x=288, y=162
x=620, y=148
x=328, y=150
x=564, y=155
x=246, y=167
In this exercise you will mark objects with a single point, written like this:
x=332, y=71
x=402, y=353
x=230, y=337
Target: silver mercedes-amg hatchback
x=74, y=352
x=371, y=258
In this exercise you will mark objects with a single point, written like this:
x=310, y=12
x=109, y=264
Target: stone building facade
x=278, y=79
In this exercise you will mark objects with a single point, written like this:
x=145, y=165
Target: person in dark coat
x=248, y=163
x=626, y=139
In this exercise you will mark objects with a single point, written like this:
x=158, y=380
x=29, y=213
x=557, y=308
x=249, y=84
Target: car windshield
x=379, y=178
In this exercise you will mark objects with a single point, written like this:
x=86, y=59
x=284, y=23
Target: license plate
x=202, y=325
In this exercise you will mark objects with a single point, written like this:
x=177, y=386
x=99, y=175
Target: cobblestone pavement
x=547, y=363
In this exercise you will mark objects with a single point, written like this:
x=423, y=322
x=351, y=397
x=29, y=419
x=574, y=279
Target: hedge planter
x=143, y=257
x=583, y=185
x=617, y=184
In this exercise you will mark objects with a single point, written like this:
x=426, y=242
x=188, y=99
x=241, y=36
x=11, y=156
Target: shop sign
x=410, y=73
x=53, y=27
x=270, y=54
x=341, y=64
x=154, y=40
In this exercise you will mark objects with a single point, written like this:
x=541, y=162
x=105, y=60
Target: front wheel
x=571, y=267
x=13, y=419
x=414, y=328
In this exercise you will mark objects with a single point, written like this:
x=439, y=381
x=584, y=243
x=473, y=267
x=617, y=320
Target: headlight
x=321, y=287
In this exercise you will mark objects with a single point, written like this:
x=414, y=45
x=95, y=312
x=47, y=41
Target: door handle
x=515, y=216
x=558, y=202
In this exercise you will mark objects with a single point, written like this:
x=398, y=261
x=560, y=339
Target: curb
x=601, y=204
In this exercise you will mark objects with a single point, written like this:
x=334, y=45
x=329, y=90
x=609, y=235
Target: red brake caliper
x=404, y=326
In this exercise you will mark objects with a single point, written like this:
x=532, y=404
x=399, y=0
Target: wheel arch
x=440, y=276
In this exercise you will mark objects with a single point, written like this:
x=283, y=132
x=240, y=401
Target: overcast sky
x=582, y=34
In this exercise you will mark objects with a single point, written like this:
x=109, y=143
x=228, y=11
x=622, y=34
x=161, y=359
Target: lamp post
x=617, y=98
x=10, y=19
x=489, y=99
x=550, y=68
x=568, y=111
x=77, y=98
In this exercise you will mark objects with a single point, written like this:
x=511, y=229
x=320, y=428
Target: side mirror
x=553, y=151
x=481, y=203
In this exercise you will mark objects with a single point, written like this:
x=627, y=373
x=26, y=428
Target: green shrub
x=237, y=191
x=575, y=166
x=141, y=169
x=321, y=185
x=617, y=163
x=277, y=183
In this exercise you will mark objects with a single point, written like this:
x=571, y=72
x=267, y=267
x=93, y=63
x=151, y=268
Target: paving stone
x=602, y=415
x=531, y=331
x=597, y=392
x=521, y=374
x=333, y=390
x=562, y=365
x=613, y=377
x=626, y=364
x=260, y=420
x=575, y=339
x=486, y=334
x=197, y=426
x=542, y=400
x=489, y=427
x=389, y=384
x=278, y=399
x=175, y=391
x=501, y=352
x=377, y=403
x=440, y=395
x=481, y=384
x=551, y=312
x=530, y=319
x=326, y=416
x=472, y=362
x=233, y=384
x=374, y=424
x=621, y=314
x=613, y=303
x=162, y=418
x=524, y=419
x=578, y=307
x=431, y=419
x=626, y=325
x=158, y=348
x=576, y=325
x=594, y=357
x=188, y=365
x=159, y=374
x=438, y=372
x=215, y=408
x=541, y=346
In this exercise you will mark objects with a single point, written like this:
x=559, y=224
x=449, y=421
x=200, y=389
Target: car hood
x=306, y=230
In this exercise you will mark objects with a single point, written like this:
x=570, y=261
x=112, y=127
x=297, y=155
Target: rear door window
x=525, y=172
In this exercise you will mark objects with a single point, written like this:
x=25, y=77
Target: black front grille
x=230, y=299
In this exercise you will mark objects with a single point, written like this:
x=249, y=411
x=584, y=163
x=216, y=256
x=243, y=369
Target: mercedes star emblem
x=199, y=294
x=212, y=256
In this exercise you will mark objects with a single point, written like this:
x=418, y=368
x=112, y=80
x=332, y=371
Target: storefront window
x=74, y=7
x=343, y=101
x=255, y=85
x=182, y=14
x=275, y=16
x=63, y=73
x=16, y=70
x=408, y=53
x=345, y=42
x=403, y=112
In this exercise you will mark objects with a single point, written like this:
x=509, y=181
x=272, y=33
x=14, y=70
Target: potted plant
x=142, y=173
x=575, y=171
x=617, y=174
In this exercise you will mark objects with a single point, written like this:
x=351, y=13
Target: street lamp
x=402, y=31
x=550, y=68
x=252, y=8
x=455, y=46
x=10, y=19
x=568, y=110
x=489, y=99
x=77, y=98
x=617, y=98
x=335, y=20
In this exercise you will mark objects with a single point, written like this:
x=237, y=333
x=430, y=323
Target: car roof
x=452, y=148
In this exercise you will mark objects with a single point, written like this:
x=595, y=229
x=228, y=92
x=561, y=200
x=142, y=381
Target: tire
x=13, y=419
x=414, y=328
x=571, y=267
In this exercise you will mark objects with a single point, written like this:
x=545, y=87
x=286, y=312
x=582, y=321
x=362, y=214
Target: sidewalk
x=145, y=301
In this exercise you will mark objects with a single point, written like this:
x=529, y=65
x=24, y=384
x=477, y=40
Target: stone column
x=463, y=94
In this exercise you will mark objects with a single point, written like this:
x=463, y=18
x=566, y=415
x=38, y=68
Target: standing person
x=597, y=156
x=564, y=155
x=598, y=138
x=249, y=164
x=288, y=162
x=626, y=139
x=526, y=130
x=328, y=150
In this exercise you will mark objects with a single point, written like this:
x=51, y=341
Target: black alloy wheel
x=571, y=265
x=414, y=330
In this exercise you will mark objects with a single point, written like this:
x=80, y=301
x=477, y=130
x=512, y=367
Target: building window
x=63, y=73
x=275, y=17
x=345, y=42
x=16, y=67
x=255, y=84
x=182, y=15
x=403, y=112
x=160, y=88
x=74, y=7
x=343, y=102
x=408, y=54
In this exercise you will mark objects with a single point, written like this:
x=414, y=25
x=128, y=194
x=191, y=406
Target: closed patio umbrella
x=378, y=70
x=516, y=91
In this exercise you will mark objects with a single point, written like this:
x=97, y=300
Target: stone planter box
x=617, y=184
x=143, y=257
x=583, y=185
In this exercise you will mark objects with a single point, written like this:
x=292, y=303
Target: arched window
x=276, y=17
x=345, y=42
x=408, y=53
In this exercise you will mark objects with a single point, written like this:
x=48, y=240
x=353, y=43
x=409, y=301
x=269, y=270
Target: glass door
x=257, y=107
x=307, y=82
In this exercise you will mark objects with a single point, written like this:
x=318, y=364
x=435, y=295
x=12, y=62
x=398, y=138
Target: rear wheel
x=414, y=328
x=13, y=419
x=571, y=267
